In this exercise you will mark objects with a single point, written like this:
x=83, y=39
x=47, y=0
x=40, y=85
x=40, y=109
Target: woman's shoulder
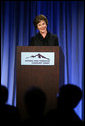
x=34, y=39
x=54, y=38
x=35, y=36
x=53, y=35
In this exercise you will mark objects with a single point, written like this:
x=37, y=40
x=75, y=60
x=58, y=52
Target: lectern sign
x=37, y=58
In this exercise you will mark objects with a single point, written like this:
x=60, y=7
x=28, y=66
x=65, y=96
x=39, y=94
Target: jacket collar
x=41, y=37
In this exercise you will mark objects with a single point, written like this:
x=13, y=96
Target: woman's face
x=42, y=26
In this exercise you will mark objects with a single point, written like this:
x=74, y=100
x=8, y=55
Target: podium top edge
x=37, y=46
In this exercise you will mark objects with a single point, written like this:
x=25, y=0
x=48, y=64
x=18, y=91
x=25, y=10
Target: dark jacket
x=49, y=40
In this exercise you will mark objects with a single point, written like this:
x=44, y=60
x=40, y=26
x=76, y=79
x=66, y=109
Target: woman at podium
x=43, y=37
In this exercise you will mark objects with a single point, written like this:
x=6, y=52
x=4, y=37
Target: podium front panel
x=45, y=77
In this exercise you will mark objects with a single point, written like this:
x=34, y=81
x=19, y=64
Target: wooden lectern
x=45, y=77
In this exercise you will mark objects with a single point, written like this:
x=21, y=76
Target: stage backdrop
x=65, y=19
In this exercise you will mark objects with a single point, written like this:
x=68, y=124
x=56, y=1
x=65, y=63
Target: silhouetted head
x=35, y=100
x=3, y=95
x=69, y=96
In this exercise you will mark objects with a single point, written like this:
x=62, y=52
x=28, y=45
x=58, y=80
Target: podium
x=38, y=73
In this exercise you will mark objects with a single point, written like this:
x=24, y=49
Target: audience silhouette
x=3, y=95
x=8, y=114
x=35, y=100
x=68, y=99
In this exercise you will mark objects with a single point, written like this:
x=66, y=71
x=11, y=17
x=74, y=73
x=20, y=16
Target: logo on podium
x=37, y=58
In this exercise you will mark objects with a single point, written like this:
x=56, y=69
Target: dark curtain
x=65, y=19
